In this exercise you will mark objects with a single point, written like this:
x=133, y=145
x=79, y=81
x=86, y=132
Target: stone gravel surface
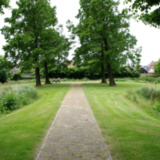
x=74, y=134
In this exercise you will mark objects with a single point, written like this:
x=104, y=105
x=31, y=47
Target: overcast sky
x=148, y=37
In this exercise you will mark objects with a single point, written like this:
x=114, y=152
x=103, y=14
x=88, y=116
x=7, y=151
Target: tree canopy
x=28, y=36
x=5, y=64
x=55, y=49
x=149, y=10
x=3, y=4
x=104, y=36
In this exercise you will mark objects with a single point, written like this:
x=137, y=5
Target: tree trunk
x=103, y=74
x=46, y=73
x=38, y=78
x=102, y=66
x=110, y=75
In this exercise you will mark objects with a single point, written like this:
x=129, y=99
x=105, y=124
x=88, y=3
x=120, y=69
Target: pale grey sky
x=148, y=37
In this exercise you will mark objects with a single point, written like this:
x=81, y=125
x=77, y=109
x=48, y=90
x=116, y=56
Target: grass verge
x=11, y=99
x=21, y=132
x=130, y=130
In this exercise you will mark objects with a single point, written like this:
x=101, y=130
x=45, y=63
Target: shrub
x=75, y=73
x=149, y=93
x=157, y=106
x=26, y=94
x=151, y=97
x=126, y=72
x=16, y=76
x=3, y=76
x=157, y=68
x=89, y=72
x=9, y=102
x=11, y=99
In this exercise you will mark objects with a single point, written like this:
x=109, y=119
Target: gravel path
x=74, y=134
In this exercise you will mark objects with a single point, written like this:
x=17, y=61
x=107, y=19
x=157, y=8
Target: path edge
x=101, y=136
x=50, y=128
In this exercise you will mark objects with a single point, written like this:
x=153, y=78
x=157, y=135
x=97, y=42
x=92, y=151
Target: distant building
x=149, y=69
x=144, y=70
x=14, y=70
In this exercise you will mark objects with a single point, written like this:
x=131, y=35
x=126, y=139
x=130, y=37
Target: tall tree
x=23, y=36
x=149, y=11
x=104, y=35
x=3, y=4
x=55, y=49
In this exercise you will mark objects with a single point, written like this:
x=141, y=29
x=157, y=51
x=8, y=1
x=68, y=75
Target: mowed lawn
x=22, y=131
x=131, y=131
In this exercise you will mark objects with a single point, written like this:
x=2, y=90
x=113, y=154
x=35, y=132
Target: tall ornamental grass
x=151, y=97
x=149, y=93
x=11, y=99
x=146, y=96
x=150, y=79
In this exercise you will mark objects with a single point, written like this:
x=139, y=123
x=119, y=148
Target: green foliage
x=89, y=73
x=23, y=131
x=55, y=46
x=149, y=93
x=149, y=11
x=151, y=98
x=121, y=120
x=150, y=79
x=25, y=33
x=126, y=72
x=11, y=99
x=75, y=73
x=5, y=67
x=132, y=95
x=5, y=64
x=3, y=76
x=55, y=50
x=157, y=106
x=3, y=3
x=16, y=76
x=157, y=68
x=104, y=36
x=9, y=102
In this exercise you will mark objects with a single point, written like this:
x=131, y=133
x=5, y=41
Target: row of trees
x=104, y=33
x=33, y=41
x=104, y=36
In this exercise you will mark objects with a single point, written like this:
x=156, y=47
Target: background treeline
x=79, y=73
x=90, y=73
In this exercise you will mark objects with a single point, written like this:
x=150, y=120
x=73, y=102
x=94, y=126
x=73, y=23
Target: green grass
x=131, y=131
x=22, y=131
x=11, y=99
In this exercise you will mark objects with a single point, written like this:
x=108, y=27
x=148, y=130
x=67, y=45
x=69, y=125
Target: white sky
x=148, y=37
